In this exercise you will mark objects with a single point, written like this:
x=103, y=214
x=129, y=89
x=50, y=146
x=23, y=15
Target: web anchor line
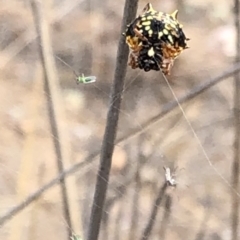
x=198, y=140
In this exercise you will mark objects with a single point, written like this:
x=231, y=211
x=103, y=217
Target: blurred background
x=85, y=34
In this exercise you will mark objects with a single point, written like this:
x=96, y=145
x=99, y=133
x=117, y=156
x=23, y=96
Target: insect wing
x=90, y=79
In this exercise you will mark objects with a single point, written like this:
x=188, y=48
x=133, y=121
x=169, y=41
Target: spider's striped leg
x=133, y=60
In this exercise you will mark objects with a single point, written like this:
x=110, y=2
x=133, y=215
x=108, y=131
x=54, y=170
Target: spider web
x=203, y=191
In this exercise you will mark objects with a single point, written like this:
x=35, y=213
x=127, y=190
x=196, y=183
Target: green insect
x=75, y=237
x=80, y=79
x=86, y=79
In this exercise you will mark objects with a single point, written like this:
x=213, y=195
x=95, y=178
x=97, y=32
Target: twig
x=117, y=235
x=120, y=190
x=52, y=96
x=173, y=104
x=130, y=10
x=148, y=229
x=17, y=45
x=166, y=217
x=137, y=191
x=194, y=92
x=135, y=205
x=31, y=198
x=236, y=161
x=105, y=227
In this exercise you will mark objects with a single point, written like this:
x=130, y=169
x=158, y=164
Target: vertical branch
x=141, y=160
x=166, y=217
x=118, y=221
x=52, y=94
x=130, y=10
x=148, y=229
x=135, y=204
x=236, y=162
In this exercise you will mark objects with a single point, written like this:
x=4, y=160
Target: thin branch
x=135, y=206
x=130, y=10
x=236, y=161
x=118, y=221
x=148, y=229
x=166, y=217
x=50, y=78
x=194, y=92
x=136, y=194
x=17, y=45
x=120, y=191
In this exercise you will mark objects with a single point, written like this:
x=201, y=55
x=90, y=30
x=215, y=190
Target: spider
x=155, y=40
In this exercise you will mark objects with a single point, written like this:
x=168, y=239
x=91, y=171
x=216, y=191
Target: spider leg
x=133, y=60
x=139, y=34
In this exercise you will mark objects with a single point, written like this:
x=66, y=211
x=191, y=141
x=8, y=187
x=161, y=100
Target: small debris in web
x=169, y=178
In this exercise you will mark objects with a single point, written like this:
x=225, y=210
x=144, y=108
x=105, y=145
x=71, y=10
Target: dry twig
x=148, y=229
x=17, y=45
x=52, y=95
x=236, y=161
x=130, y=10
x=166, y=217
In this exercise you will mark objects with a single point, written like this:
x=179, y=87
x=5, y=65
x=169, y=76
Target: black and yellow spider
x=155, y=40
